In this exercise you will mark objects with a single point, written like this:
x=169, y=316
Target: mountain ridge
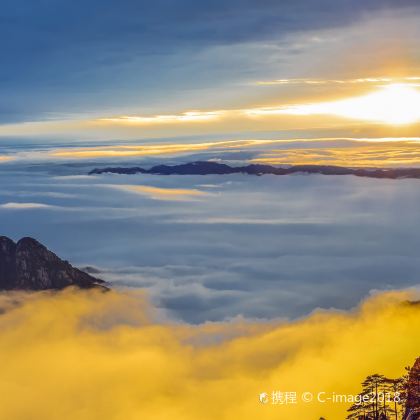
x=215, y=168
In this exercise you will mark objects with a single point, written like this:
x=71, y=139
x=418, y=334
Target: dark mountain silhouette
x=193, y=168
x=29, y=265
x=213, y=168
x=129, y=171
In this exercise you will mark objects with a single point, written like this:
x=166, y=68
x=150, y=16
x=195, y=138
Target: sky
x=136, y=70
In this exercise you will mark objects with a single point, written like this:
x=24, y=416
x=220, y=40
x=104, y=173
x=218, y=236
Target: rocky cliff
x=29, y=265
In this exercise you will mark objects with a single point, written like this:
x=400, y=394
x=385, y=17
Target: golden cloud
x=378, y=152
x=360, y=80
x=151, y=149
x=159, y=193
x=91, y=355
x=381, y=153
x=392, y=104
x=187, y=116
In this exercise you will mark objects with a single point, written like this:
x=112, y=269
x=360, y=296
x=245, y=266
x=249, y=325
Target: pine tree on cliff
x=412, y=407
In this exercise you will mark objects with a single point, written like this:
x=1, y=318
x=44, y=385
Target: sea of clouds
x=211, y=248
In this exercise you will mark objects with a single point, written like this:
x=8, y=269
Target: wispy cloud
x=364, y=154
x=159, y=193
x=187, y=117
x=154, y=149
x=383, y=151
x=395, y=101
x=362, y=80
x=26, y=206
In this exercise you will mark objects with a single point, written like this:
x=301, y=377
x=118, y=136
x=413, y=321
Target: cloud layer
x=272, y=148
x=89, y=355
x=257, y=247
x=157, y=59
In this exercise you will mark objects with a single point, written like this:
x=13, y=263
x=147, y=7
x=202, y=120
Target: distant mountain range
x=213, y=168
x=29, y=265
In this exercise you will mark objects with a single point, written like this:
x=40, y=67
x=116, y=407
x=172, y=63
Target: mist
x=92, y=355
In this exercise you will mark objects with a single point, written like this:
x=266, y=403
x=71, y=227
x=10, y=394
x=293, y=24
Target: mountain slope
x=29, y=265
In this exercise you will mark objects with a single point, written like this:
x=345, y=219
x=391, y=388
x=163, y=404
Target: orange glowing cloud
x=158, y=193
x=361, y=80
x=89, y=355
x=150, y=149
x=188, y=116
x=373, y=153
x=392, y=104
x=357, y=152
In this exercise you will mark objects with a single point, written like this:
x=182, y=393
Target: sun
x=393, y=104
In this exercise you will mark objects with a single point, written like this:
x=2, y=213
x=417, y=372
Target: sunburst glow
x=393, y=104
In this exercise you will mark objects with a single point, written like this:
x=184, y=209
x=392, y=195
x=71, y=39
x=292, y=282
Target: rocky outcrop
x=29, y=265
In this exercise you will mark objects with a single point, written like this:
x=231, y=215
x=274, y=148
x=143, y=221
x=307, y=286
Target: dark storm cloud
x=60, y=57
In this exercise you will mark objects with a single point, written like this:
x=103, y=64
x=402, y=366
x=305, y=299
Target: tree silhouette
x=360, y=411
x=376, y=386
x=389, y=399
x=412, y=407
x=398, y=391
x=377, y=400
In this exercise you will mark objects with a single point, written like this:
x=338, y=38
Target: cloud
x=158, y=193
x=187, y=116
x=363, y=80
x=109, y=356
x=247, y=221
x=344, y=151
x=25, y=206
x=155, y=149
x=393, y=104
x=270, y=246
x=379, y=153
x=160, y=50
